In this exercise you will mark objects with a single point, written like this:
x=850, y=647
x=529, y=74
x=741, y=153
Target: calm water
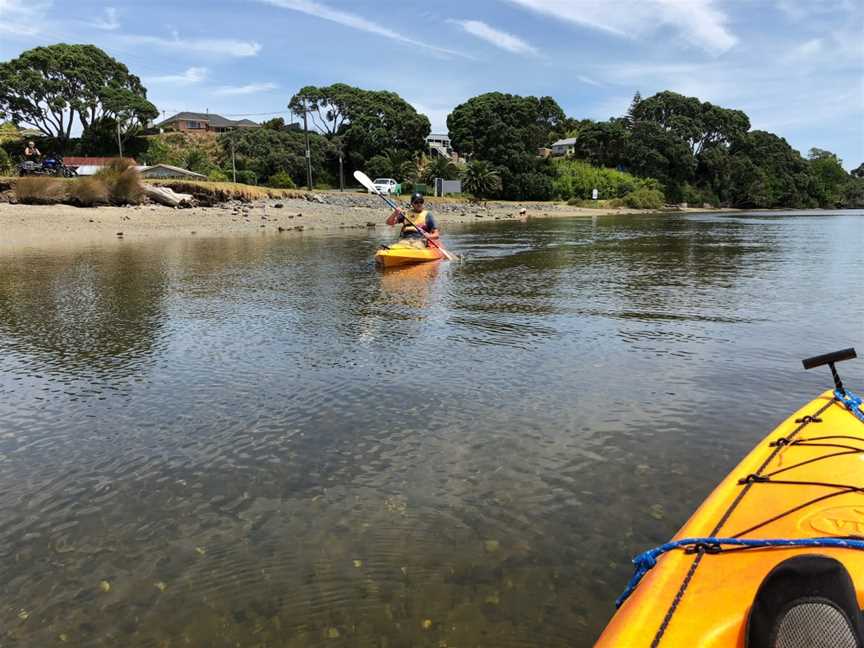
x=266, y=442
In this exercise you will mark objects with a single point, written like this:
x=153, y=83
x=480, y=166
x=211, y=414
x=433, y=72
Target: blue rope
x=647, y=559
x=852, y=402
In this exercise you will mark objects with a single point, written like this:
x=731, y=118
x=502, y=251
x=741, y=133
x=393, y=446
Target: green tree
x=767, y=172
x=480, y=179
x=830, y=176
x=369, y=122
x=266, y=152
x=50, y=87
x=505, y=130
x=440, y=167
x=858, y=171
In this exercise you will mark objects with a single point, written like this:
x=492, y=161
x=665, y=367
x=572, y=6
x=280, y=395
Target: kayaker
x=419, y=217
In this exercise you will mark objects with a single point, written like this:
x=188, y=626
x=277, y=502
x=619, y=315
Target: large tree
x=698, y=124
x=504, y=129
x=367, y=123
x=48, y=88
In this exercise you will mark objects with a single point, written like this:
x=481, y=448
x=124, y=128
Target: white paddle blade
x=364, y=180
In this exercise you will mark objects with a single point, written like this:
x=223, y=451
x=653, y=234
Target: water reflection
x=266, y=441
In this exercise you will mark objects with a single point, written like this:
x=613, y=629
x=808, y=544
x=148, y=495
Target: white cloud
x=588, y=80
x=698, y=22
x=21, y=17
x=354, y=21
x=251, y=88
x=496, y=37
x=109, y=21
x=191, y=75
x=210, y=46
x=806, y=50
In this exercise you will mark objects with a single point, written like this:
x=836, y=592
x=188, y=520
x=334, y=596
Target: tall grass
x=222, y=191
x=122, y=182
x=88, y=192
x=41, y=191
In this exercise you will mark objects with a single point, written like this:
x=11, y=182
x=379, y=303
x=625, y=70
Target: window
x=194, y=124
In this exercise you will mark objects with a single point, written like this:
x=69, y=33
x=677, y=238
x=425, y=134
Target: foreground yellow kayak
x=795, y=508
x=405, y=253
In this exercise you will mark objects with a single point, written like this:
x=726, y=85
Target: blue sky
x=795, y=66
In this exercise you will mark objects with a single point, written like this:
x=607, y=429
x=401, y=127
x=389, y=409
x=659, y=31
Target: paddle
x=364, y=180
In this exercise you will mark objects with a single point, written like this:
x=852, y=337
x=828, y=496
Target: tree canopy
x=49, y=87
x=367, y=122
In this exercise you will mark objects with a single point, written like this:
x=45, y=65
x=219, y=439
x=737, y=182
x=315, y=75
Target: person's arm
x=396, y=217
x=431, y=227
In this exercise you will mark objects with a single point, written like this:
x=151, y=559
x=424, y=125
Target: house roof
x=570, y=141
x=178, y=170
x=92, y=161
x=216, y=121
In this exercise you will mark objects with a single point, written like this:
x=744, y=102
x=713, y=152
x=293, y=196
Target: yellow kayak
x=794, y=507
x=405, y=253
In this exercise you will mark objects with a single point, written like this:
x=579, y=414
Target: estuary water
x=265, y=441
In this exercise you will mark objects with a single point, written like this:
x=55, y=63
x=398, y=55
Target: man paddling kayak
x=420, y=218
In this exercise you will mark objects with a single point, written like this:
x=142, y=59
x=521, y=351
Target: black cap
x=417, y=197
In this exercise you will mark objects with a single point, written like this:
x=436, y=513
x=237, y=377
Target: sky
x=796, y=67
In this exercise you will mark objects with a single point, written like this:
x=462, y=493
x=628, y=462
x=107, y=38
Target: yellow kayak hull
x=400, y=254
x=688, y=600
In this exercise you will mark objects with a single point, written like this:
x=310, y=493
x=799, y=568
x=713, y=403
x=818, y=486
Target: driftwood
x=166, y=196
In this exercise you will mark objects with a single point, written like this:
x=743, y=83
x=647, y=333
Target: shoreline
x=50, y=225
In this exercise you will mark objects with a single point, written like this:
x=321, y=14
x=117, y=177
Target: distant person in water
x=420, y=220
x=31, y=153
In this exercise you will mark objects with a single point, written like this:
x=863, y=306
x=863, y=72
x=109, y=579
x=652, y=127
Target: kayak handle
x=830, y=359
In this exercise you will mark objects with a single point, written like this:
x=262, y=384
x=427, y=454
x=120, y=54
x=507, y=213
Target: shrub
x=247, y=177
x=217, y=175
x=122, y=181
x=577, y=179
x=645, y=199
x=88, y=192
x=40, y=191
x=281, y=180
x=5, y=162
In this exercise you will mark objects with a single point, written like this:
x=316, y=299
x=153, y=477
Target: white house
x=564, y=147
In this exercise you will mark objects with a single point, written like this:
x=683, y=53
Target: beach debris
x=656, y=511
x=371, y=224
x=120, y=234
x=105, y=586
x=427, y=624
x=200, y=551
x=404, y=571
x=280, y=229
x=23, y=614
x=358, y=564
x=166, y=196
x=493, y=599
x=63, y=637
x=160, y=586
x=333, y=633
x=278, y=206
x=491, y=546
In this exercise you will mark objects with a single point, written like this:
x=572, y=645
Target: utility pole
x=233, y=163
x=119, y=140
x=308, y=152
x=341, y=174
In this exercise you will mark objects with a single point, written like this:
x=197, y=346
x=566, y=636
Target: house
x=190, y=122
x=88, y=166
x=439, y=145
x=564, y=147
x=544, y=152
x=168, y=171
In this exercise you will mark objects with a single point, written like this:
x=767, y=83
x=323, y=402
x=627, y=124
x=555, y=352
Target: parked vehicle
x=51, y=165
x=386, y=186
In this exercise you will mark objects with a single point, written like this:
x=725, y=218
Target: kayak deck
x=797, y=483
x=404, y=253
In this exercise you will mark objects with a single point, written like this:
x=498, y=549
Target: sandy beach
x=37, y=225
